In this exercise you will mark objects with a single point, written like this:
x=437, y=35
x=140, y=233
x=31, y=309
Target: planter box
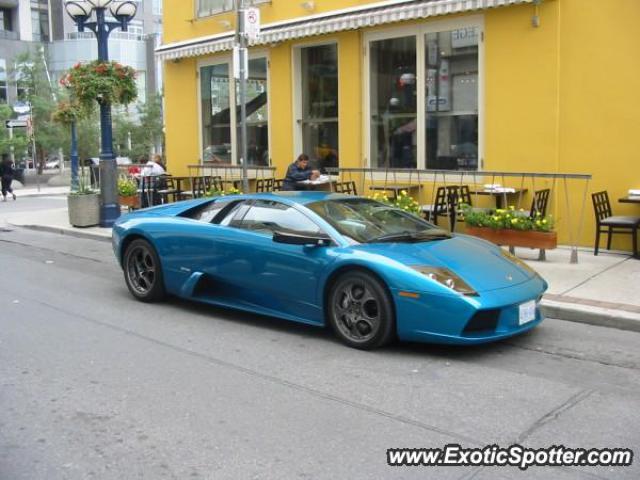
x=84, y=210
x=516, y=238
x=132, y=201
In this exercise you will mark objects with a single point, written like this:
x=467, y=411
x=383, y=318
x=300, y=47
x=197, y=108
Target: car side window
x=234, y=214
x=267, y=216
x=207, y=212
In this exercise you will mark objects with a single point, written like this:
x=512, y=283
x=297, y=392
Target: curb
x=65, y=231
x=39, y=194
x=601, y=317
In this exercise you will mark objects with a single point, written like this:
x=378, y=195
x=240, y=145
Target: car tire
x=360, y=311
x=142, y=271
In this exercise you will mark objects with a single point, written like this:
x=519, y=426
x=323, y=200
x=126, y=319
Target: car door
x=189, y=247
x=280, y=277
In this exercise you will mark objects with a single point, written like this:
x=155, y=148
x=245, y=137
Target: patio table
x=630, y=199
x=501, y=195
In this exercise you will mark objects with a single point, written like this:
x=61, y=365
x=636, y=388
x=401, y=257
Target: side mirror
x=314, y=239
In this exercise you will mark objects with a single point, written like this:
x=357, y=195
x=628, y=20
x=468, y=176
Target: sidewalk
x=602, y=290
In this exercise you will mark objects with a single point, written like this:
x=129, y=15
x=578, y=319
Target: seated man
x=297, y=172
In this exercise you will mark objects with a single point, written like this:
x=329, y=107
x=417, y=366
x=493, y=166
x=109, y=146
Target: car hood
x=479, y=263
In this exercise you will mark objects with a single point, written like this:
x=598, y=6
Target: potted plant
x=128, y=193
x=216, y=192
x=83, y=204
x=512, y=228
x=403, y=201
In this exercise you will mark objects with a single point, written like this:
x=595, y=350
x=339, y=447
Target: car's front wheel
x=360, y=311
x=142, y=271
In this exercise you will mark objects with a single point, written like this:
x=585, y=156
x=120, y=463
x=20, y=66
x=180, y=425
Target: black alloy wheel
x=142, y=271
x=360, y=311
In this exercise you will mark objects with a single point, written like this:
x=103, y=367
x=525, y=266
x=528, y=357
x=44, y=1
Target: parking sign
x=252, y=23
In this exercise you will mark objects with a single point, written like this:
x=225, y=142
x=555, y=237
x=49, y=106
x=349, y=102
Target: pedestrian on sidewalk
x=6, y=172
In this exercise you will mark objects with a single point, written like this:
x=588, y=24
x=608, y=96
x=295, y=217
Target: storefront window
x=393, y=103
x=319, y=95
x=218, y=116
x=445, y=105
x=257, y=113
x=452, y=99
x=216, y=121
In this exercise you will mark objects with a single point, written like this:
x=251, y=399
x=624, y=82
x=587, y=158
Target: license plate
x=527, y=312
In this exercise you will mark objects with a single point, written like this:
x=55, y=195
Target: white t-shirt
x=152, y=169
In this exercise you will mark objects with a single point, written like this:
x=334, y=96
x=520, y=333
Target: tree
x=33, y=82
x=19, y=141
x=146, y=133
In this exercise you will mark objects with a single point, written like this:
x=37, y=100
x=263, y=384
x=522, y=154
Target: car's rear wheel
x=142, y=271
x=360, y=311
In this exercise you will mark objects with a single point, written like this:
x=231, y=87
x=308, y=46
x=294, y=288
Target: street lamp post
x=123, y=11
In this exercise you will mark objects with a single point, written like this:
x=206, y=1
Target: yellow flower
x=514, y=221
x=544, y=221
x=495, y=218
x=522, y=209
x=500, y=210
x=511, y=207
x=403, y=192
x=538, y=222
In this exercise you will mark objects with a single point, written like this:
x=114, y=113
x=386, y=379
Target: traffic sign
x=15, y=123
x=21, y=107
x=252, y=23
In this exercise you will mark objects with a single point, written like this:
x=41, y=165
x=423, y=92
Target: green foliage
x=33, y=82
x=508, y=218
x=127, y=187
x=402, y=201
x=213, y=192
x=105, y=82
x=19, y=141
x=146, y=133
x=84, y=183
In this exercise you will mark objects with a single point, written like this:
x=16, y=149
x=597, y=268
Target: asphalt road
x=96, y=385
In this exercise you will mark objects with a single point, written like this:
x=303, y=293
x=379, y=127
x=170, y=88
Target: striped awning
x=337, y=21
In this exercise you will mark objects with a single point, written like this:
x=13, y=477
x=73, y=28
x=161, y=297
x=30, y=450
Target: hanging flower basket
x=104, y=82
x=66, y=113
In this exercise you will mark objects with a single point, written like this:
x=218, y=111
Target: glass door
x=319, y=104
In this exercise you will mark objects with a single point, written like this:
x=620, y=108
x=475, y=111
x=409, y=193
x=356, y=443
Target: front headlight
x=518, y=262
x=447, y=278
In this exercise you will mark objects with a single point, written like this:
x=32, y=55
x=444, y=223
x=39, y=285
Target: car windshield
x=368, y=221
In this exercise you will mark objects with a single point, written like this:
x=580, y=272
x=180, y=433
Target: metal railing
x=512, y=184
x=230, y=172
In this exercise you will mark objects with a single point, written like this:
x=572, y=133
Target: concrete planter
x=84, y=210
x=516, y=238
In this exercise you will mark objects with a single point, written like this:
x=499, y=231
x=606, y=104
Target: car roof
x=301, y=197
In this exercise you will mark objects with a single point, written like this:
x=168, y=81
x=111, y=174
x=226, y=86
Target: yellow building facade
x=479, y=85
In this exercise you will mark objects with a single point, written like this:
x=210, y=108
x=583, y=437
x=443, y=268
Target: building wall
x=561, y=97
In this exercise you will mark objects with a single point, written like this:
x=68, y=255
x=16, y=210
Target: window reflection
x=319, y=89
x=218, y=116
x=452, y=99
x=257, y=113
x=216, y=122
x=393, y=102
